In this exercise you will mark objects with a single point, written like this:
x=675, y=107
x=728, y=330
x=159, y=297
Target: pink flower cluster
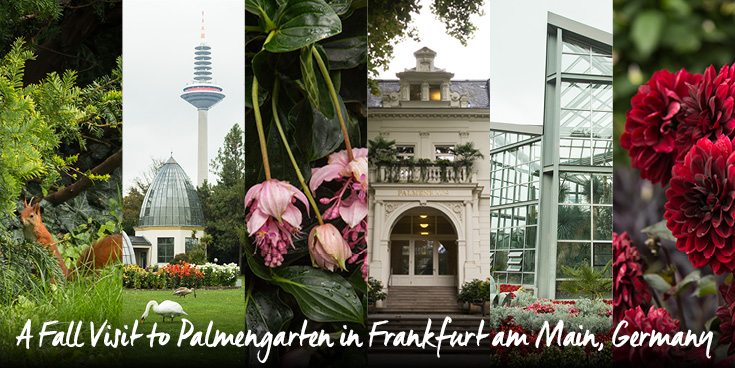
x=540, y=307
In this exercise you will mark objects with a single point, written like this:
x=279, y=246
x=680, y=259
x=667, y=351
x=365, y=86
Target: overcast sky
x=518, y=48
x=158, y=61
x=471, y=62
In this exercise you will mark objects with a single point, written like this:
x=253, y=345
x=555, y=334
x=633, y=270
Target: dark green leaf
x=656, y=282
x=265, y=10
x=265, y=312
x=255, y=263
x=646, y=30
x=659, y=230
x=301, y=23
x=316, y=136
x=357, y=281
x=323, y=296
x=262, y=94
x=684, y=283
x=340, y=6
x=308, y=76
x=706, y=286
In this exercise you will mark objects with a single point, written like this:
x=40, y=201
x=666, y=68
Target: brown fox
x=105, y=251
x=35, y=230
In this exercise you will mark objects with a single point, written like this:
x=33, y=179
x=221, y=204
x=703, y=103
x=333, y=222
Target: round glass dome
x=171, y=199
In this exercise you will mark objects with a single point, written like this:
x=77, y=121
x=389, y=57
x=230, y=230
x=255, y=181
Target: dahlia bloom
x=630, y=288
x=709, y=109
x=651, y=123
x=726, y=315
x=700, y=208
x=645, y=355
x=327, y=247
x=353, y=208
x=273, y=218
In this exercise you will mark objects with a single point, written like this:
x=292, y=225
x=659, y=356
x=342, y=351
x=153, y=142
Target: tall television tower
x=203, y=94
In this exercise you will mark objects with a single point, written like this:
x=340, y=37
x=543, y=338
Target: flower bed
x=178, y=275
x=526, y=315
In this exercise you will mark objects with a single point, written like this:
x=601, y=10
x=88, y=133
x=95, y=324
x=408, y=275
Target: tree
x=389, y=22
x=59, y=138
x=133, y=201
x=222, y=203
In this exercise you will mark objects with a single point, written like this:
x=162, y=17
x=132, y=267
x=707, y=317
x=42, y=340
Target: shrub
x=375, y=290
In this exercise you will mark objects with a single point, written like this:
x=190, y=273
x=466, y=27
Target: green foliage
x=467, y=154
x=222, y=202
x=375, y=290
x=283, y=54
x=390, y=22
x=650, y=36
x=381, y=150
x=585, y=281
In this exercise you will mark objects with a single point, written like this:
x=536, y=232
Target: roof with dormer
x=477, y=91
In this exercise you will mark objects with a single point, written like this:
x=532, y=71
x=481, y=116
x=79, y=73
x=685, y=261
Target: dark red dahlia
x=630, y=289
x=651, y=123
x=726, y=314
x=645, y=355
x=709, y=109
x=700, y=208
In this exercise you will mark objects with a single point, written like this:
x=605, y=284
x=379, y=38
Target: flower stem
x=333, y=95
x=261, y=135
x=307, y=191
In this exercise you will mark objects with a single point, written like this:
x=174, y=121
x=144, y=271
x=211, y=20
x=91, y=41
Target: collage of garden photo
x=353, y=183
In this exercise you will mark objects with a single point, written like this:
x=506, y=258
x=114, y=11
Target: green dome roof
x=171, y=199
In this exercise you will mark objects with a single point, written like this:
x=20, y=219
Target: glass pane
x=603, y=222
x=571, y=255
x=574, y=188
x=516, y=241
x=601, y=65
x=403, y=226
x=399, y=257
x=602, y=152
x=574, y=46
x=574, y=223
x=528, y=279
x=602, y=125
x=529, y=261
x=574, y=63
x=574, y=151
x=575, y=123
x=603, y=189
x=514, y=278
x=602, y=97
x=603, y=255
x=423, y=257
x=575, y=95
x=531, y=237
x=447, y=254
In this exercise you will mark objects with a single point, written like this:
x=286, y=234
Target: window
x=406, y=152
x=415, y=93
x=435, y=94
x=165, y=249
x=444, y=152
x=190, y=243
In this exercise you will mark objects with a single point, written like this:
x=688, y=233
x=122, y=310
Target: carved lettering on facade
x=422, y=193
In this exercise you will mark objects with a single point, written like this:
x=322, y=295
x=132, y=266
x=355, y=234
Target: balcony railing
x=424, y=174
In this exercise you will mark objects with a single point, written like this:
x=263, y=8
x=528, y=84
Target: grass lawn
x=226, y=308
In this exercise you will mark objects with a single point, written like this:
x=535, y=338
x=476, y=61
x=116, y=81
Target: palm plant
x=467, y=153
x=381, y=150
x=585, y=281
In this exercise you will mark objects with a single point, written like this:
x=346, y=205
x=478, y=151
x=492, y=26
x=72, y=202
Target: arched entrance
x=423, y=249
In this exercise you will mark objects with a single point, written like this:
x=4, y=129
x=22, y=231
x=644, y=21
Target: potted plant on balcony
x=466, y=154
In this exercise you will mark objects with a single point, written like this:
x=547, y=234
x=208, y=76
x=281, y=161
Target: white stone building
x=171, y=219
x=429, y=221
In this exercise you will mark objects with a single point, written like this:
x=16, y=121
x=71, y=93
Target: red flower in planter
x=630, y=288
x=700, y=208
x=709, y=109
x=725, y=313
x=651, y=123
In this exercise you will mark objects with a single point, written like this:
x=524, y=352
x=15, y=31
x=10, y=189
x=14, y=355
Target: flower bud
x=327, y=247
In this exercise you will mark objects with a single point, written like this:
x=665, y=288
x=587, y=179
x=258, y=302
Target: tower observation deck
x=203, y=94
